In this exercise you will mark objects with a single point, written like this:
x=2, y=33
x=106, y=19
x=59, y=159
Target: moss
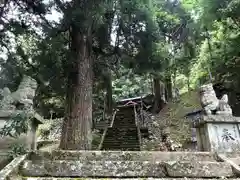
x=172, y=119
x=96, y=139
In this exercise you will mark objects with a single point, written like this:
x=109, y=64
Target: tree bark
x=109, y=100
x=168, y=82
x=188, y=84
x=158, y=102
x=76, y=129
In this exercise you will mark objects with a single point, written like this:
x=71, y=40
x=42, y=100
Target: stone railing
x=143, y=118
x=138, y=127
x=11, y=171
x=105, y=130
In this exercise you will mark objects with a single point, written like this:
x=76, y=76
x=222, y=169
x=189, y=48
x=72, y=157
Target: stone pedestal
x=29, y=139
x=218, y=133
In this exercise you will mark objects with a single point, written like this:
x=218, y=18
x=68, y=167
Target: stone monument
x=17, y=102
x=217, y=129
x=211, y=104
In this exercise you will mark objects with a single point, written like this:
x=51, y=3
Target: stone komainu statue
x=211, y=104
x=22, y=98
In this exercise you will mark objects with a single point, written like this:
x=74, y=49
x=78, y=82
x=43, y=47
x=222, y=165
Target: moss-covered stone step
x=122, y=156
x=52, y=178
x=234, y=157
x=93, y=169
x=62, y=168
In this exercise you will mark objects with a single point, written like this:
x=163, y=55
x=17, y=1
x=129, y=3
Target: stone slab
x=122, y=156
x=4, y=160
x=51, y=178
x=217, y=119
x=92, y=169
x=198, y=169
x=235, y=154
x=11, y=170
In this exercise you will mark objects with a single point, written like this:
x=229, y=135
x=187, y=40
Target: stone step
x=126, y=148
x=124, y=114
x=234, y=157
x=53, y=178
x=126, y=133
x=120, y=137
x=121, y=118
x=122, y=156
x=129, y=147
x=124, y=126
x=126, y=141
x=135, y=142
x=112, y=132
x=125, y=111
x=109, y=146
x=124, y=118
x=125, y=123
x=61, y=168
x=120, y=140
x=122, y=143
x=92, y=169
x=121, y=149
x=123, y=131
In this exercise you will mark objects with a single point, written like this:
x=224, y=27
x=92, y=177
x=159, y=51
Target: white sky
x=54, y=16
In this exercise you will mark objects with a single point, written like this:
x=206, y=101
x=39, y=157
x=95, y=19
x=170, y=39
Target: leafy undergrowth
x=171, y=120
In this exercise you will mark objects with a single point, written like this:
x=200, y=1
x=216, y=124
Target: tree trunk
x=109, y=101
x=188, y=83
x=76, y=129
x=158, y=102
x=168, y=82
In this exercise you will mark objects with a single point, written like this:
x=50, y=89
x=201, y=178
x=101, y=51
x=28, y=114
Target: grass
x=172, y=118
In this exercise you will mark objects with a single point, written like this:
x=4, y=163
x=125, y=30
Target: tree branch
x=60, y=5
x=2, y=8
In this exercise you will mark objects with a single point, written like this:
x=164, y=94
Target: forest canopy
x=86, y=55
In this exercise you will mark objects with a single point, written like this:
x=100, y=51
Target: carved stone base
x=218, y=133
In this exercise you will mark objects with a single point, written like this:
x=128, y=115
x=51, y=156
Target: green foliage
x=131, y=85
x=152, y=38
x=97, y=137
x=17, y=150
x=17, y=125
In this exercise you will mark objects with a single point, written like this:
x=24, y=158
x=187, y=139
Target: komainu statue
x=211, y=104
x=20, y=99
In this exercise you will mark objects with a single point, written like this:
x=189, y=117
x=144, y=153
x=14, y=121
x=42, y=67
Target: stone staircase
x=73, y=165
x=123, y=135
